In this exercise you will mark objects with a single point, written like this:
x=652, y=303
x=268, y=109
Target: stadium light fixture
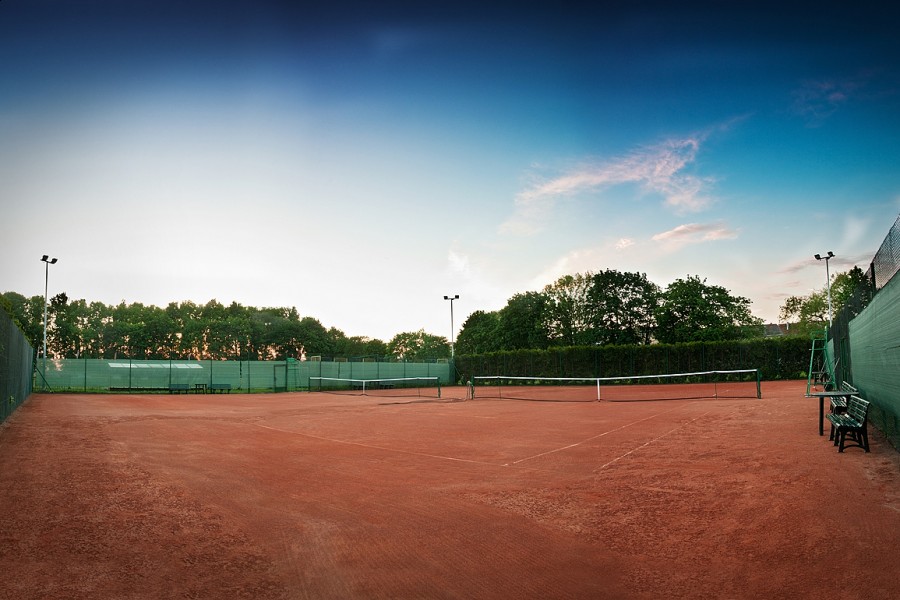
x=47, y=262
x=826, y=258
x=452, y=331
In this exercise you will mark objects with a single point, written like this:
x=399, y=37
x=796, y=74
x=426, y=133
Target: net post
x=598, y=389
x=758, y=386
x=439, y=387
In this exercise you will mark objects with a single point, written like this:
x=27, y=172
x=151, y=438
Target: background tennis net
x=742, y=383
x=401, y=386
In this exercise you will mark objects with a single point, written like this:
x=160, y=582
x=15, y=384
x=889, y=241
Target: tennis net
x=741, y=383
x=428, y=387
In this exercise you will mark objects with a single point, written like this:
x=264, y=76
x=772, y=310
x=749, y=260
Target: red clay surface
x=322, y=496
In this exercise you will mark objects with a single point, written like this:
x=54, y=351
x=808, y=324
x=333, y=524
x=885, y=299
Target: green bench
x=178, y=388
x=850, y=424
x=219, y=388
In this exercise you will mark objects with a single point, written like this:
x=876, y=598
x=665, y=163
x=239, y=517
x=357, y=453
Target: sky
x=360, y=161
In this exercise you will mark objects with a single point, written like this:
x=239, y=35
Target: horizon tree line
x=608, y=307
x=191, y=331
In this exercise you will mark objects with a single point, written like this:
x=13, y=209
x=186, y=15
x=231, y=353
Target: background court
x=324, y=496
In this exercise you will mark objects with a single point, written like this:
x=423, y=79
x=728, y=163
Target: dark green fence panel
x=164, y=376
x=874, y=335
x=16, y=366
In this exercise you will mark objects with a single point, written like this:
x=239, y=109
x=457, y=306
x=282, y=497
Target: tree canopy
x=186, y=330
x=605, y=308
x=610, y=307
x=810, y=312
x=690, y=310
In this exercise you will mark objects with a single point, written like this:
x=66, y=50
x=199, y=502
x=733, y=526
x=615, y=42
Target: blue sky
x=361, y=160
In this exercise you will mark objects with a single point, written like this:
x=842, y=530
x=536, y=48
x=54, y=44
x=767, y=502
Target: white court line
x=645, y=444
x=594, y=437
x=383, y=449
x=494, y=464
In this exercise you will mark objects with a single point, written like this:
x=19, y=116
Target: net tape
x=667, y=379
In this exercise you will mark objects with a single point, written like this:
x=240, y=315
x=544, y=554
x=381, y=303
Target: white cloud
x=576, y=261
x=458, y=263
x=695, y=233
x=816, y=270
x=657, y=169
x=474, y=282
x=624, y=254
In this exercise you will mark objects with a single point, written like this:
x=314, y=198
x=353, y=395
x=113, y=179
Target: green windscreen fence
x=16, y=366
x=863, y=338
x=176, y=376
x=875, y=358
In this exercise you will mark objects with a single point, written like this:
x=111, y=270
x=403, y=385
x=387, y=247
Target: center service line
x=593, y=437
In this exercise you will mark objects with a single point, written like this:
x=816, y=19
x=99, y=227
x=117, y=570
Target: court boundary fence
x=16, y=366
x=192, y=376
x=862, y=337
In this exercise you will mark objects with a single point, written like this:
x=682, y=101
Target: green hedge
x=776, y=358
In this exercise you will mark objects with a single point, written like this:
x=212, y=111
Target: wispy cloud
x=816, y=100
x=838, y=263
x=658, y=168
x=695, y=233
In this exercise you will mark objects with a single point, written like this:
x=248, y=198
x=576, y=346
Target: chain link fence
x=886, y=262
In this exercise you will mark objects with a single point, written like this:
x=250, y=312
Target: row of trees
x=592, y=309
x=610, y=307
x=78, y=329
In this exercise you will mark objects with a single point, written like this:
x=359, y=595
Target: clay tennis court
x=327, y=496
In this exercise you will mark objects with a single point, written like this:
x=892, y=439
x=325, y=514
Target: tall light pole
x=452, y=330
x=826, y=258
x=47, y=262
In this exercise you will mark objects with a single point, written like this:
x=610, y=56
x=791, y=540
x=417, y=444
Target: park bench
x=219, y=388
x=179, y=388
x=852, y=424
x=839, y=404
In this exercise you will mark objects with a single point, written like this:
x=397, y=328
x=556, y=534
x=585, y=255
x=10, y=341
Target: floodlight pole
x=47, y=262
x=452, y=330
x=826, y=258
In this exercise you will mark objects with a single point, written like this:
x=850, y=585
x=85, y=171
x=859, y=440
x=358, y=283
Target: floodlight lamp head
x=818, y=257
x=830, y=254
x=454, y=297
x=44, y=258
x=52, y=261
